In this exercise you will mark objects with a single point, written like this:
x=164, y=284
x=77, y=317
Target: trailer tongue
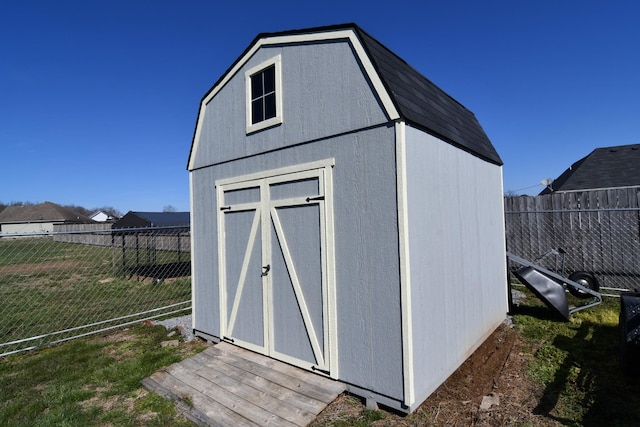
x=550, y=287
x=549, y=291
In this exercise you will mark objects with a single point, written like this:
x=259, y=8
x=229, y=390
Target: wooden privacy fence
x=598, y=231
x=102, y=234
x=86, y=234
x=158, y=252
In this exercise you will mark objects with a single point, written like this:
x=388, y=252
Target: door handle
x=265, y=270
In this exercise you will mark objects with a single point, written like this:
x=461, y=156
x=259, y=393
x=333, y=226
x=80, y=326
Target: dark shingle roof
x=608, y=167
x=424, y=104
x=153, y=219
x=43, y=212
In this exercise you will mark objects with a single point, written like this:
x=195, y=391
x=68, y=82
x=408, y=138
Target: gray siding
x=317, y=79
x=457, y=255
x=366, y=249
x=204, y=255
x=454, y=212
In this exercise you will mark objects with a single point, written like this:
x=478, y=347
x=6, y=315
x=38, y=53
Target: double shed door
x=276, y=265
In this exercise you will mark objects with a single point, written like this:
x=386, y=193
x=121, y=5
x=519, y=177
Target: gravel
x=183, y=323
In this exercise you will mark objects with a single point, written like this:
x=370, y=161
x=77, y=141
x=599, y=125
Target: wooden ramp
x=229, y=386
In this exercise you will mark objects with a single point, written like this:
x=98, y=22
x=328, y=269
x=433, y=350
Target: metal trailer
x=551, y=287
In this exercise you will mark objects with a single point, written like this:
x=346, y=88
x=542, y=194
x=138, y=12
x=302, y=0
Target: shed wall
x=317, y=79
x=366, y=250
x=457, y=255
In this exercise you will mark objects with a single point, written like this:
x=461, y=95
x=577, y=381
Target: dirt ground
x=494, y=373
x=43, y=267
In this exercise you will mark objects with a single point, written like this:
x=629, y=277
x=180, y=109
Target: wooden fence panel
x=84, y=234
x=599, y=230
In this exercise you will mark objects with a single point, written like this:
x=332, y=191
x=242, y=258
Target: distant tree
x=79, y=209
x=21, y=203
x=110, y=210
x=15, y=203
x=169, y=208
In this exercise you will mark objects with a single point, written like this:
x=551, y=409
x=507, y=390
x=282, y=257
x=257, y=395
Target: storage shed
x=346, y=215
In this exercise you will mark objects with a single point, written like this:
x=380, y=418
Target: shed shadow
x=591, y=377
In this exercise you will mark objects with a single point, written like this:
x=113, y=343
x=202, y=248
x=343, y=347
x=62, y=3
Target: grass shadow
x=538, y=312
x=578, y=364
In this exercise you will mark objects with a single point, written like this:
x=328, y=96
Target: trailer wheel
x=585, y=279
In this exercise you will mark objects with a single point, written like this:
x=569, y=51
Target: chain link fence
x=62, y=285
x=601, y=241
x=66, y=284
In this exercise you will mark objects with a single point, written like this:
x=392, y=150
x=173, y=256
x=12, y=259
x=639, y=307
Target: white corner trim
x=350, y=35
x=192, y=246
x=405, y=275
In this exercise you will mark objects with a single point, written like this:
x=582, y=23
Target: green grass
x=577, y=365
x=90, y=382
x=574, y=366
x=96, y=381
x=48, y=286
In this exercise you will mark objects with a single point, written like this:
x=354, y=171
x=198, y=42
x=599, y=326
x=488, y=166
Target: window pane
x=269, y=79
x=262, y=86
x=257, y=113
x=269, y=106
x=256, y=86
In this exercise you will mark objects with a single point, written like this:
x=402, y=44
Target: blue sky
x=98, y=99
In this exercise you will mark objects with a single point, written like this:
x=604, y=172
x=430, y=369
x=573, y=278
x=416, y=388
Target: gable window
x=264, y=95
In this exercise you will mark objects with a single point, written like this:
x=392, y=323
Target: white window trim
x=277, y=61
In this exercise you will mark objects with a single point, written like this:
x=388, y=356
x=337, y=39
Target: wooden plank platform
x=228, y=386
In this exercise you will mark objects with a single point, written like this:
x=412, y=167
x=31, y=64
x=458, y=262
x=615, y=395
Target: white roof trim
x=350, y=35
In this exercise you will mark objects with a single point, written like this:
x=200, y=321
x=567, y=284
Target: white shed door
x=275, y=266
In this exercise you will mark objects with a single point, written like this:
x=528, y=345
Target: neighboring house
x=603, y=169
x=152, y=219
x=102, y=216
x=346, y=215
x=38, y=218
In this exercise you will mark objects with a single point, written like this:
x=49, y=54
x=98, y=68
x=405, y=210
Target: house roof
x=43, y=212
x=404, y=92
x=603, y=168
x=153, y=219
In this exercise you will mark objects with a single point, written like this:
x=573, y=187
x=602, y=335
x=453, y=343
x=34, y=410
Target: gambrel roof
x=404, y=93
x=603, y=168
